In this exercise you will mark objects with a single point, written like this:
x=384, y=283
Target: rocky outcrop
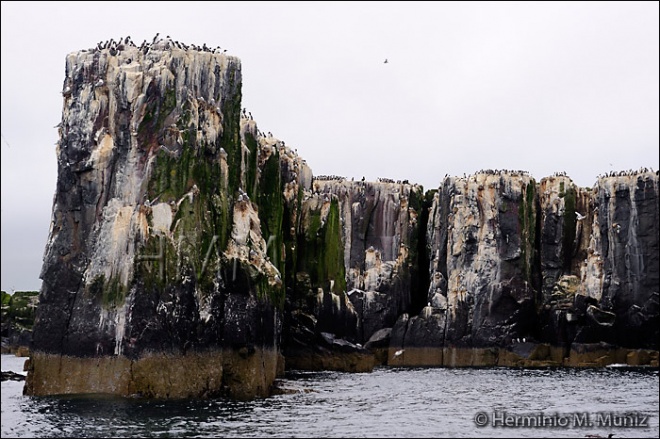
x=12, y=376
x=190, y=253
x=379, y=344
x=18, y=311
x=560, y=266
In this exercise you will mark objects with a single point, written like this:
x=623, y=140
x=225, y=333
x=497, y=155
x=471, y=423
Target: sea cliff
x=192, y=255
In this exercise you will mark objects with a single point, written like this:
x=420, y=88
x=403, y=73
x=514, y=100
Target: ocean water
x=388, y=402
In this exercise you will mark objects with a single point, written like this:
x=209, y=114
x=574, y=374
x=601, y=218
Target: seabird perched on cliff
x=398, y=353
x=167, y=150
x=579, y=216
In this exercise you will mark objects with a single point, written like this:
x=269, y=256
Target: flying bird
x=385, y=61
x=6, y=143
x=579, y=216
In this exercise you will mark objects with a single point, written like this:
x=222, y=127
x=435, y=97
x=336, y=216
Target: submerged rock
x=12, y=376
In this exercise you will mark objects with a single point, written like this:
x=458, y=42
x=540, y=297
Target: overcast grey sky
x=541, y=87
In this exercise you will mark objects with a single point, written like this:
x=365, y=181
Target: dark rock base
x=194, y=375
x=12, y=376
x=337, y=361
x=19, y=351
x=522, y=355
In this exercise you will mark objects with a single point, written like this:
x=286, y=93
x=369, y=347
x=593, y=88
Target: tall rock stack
x=155, y=276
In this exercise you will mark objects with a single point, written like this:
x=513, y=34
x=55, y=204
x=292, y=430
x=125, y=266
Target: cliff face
x=481, y=250
x=621, y=269
x=356, y=269
x=188, y=250
x=551, y=263
x=599, y=260
x=490, y=251
x=379, y=233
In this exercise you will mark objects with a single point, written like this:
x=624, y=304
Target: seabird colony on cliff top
x=116, y=46
x=168, y=43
